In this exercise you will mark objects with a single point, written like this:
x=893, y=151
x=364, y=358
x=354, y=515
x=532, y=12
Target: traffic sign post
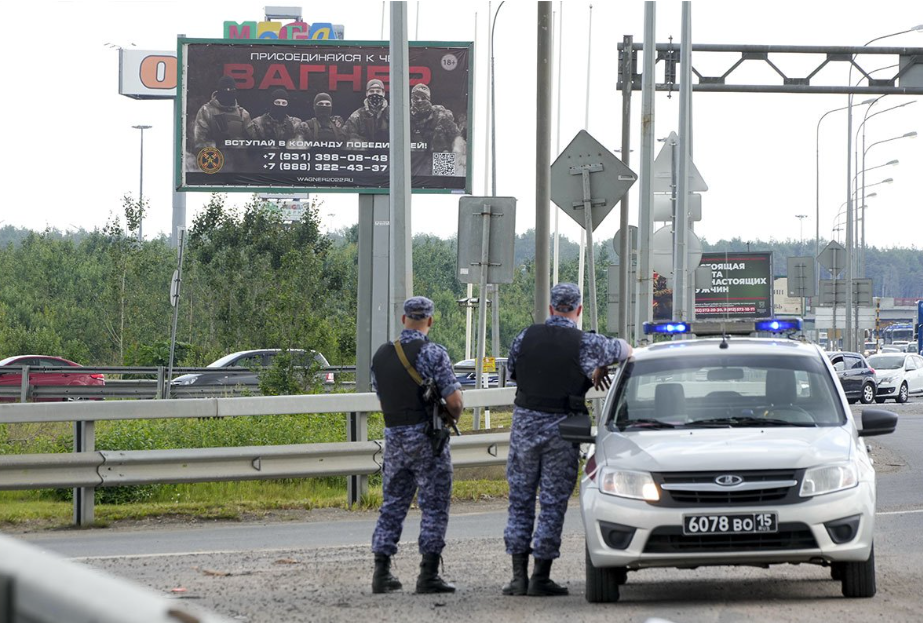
x=585, y=202
x=488, y=259
x=801, y=279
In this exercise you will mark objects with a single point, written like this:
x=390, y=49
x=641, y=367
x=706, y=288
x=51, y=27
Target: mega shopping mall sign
x=146, y=74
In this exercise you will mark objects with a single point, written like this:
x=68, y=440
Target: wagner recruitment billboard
x=264, y=116
x=741, y=286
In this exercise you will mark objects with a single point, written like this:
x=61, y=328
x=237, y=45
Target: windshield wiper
x=749, y=421
x=644, y=423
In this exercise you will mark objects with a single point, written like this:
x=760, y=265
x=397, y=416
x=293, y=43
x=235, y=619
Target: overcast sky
x=72, y=153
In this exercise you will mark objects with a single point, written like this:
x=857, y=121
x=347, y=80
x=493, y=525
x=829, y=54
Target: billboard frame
x=180, y=102
x=761, y=257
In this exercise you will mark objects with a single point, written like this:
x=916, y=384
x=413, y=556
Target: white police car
x=728, y=451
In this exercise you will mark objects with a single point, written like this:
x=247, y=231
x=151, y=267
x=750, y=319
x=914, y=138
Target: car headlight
x=828, y=479
x=626, y=484
x=184, y=381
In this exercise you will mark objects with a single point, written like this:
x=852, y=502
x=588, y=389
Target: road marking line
x=919, y=510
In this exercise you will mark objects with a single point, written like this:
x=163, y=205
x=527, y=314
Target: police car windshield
x=734, y=390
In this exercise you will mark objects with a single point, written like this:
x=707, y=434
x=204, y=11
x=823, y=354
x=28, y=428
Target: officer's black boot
x=519, y=585
x=429, y=580
x=540, y=585
x=382, y=580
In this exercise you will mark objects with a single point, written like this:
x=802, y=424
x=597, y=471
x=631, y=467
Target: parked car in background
x=253, y=361
x=899, y=376
x=42, y=374
x=855, y=375
x=466, y=373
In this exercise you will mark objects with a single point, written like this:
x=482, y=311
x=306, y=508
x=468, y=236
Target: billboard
x=307, y=115
x=741, y=286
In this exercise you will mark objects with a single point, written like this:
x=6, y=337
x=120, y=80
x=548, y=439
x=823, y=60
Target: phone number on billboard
x=296, y=161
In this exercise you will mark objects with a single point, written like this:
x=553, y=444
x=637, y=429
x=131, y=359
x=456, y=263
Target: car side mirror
x=577, y=429
x=877, y=422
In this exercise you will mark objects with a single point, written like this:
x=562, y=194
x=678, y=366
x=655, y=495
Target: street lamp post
x=141, y=182
x=849, y=206
x=817, y=190
x=864, y=152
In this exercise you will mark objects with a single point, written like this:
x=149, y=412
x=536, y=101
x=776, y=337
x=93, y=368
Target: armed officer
x=552, y=364
x=411, y=464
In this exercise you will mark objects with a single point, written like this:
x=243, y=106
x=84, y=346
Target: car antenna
x=724, y=339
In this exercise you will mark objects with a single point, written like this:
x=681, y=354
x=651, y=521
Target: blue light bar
x=777, y=325
x=666, y=328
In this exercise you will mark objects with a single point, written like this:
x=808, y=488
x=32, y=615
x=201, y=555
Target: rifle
x=436, y=428
x=437, y=431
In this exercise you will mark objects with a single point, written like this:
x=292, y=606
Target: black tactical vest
x=548, y=373
x=401, y=397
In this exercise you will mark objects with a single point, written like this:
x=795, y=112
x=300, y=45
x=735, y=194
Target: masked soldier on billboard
x=277, y=124
x=324, y=126
x=432, y=129
x=412, y=462
x=221, y=118
x=552, y=364
x=370, y=123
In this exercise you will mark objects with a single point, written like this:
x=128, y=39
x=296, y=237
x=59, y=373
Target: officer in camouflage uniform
x=552, y=364
x=410, y=465
x=370, y=123
x=277, y=124
x=221, y=118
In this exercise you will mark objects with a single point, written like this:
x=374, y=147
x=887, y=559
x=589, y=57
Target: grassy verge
x=213, y=500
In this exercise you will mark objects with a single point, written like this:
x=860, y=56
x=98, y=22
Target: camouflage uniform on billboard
x=277, y=124
x=221, y=118
x=370, y=123
x=323, y=126
x=410, y=464
x=539, y=458
x=432, y=126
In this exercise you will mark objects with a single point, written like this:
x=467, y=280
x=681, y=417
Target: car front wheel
x=868, y=394
x=902, y=394
x=858, y=578
x=602, y=584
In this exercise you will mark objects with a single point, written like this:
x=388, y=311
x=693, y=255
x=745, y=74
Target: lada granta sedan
x=728, y=451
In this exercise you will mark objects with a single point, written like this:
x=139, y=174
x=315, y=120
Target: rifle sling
x=410, y=369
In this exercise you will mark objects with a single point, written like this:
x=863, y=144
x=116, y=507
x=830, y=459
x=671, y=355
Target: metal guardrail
x=155, y=387
x=86, y=469
x=39, y=587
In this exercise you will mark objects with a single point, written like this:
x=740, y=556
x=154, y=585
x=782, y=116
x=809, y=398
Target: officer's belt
x=405, y=418
x=550, y=404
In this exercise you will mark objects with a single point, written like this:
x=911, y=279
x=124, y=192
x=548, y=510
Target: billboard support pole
x=401, y=240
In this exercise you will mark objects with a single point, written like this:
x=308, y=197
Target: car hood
x=728, y=448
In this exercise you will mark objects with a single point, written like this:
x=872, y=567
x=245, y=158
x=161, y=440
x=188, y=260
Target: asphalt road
x=319, y=568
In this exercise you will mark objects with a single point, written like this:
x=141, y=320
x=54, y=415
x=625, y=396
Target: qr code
x=444, y=164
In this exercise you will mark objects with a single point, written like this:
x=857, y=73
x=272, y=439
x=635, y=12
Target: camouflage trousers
x=539, y=462
x=410, y=467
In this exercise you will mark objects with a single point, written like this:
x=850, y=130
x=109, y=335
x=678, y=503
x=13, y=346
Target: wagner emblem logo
x=728, y=480
x=210, y=160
